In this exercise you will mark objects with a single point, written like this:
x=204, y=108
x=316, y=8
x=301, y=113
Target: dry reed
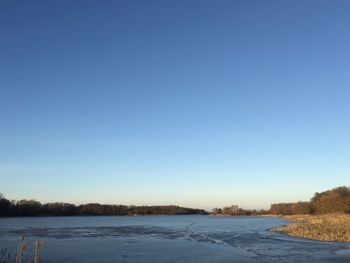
x=5, y=254
x=328, y=227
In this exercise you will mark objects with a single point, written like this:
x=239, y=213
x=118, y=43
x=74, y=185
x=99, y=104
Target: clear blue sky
x=195, y=103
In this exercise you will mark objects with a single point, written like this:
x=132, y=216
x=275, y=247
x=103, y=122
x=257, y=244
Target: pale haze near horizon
x=193, y=103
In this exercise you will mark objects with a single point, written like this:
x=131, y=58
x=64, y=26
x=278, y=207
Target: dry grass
x=5, y=254
x=328, y=227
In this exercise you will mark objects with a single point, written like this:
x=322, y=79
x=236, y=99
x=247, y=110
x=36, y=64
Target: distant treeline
x=35, y=208
x=332, y=201
x=235, y=210
x=335, y=200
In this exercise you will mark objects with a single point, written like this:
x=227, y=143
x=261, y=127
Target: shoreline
x=77, y=216
x=333, y=227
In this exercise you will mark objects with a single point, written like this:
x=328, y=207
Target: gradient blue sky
x=194, y=103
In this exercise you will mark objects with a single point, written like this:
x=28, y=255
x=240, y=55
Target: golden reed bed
x=328, y=227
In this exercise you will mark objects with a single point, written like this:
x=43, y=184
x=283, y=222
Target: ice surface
x=166, y=239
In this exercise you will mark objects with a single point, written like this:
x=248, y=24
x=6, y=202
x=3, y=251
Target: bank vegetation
x=325, y=217
x=327, y=227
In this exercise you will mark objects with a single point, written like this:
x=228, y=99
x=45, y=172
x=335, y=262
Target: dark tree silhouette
x=5, y=206
x=35, y=208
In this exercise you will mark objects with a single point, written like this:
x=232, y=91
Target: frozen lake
x=165, y=239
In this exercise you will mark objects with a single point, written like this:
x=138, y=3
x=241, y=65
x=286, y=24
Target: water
x=165, y=239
